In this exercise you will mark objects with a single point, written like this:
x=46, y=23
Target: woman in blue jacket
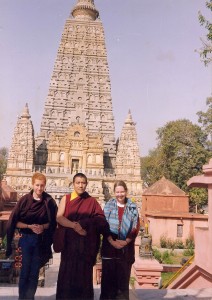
x=118, y=252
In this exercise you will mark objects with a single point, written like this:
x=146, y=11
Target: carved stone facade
x=77, y=129
x=80, y=90
x=22, y=150
x=128, y=165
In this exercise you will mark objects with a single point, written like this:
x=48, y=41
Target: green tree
x=206, y=50
x=198, y=198
x=183, y=150
x=3, y=161
x=205, y=119
x=152, y=167
x=180, y=154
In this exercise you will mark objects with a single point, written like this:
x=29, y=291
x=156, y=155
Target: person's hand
x=78, y=229
x=116, y=244
x=36, y=228
x=82, y=232
x=122, y=243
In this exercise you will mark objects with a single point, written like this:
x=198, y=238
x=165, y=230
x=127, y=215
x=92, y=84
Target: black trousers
x=115, y=279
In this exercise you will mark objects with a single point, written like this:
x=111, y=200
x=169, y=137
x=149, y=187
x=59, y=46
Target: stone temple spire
x=21, y=153
x=25, y=113
x=80, y=89
x=129, y=120
x=85, y=9
x=77, y=131
x=128, y=157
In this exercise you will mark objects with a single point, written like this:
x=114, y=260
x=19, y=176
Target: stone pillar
x=203, y=236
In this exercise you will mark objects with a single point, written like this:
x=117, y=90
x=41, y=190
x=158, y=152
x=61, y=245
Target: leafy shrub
x=163, y=241
x=188, y=252
x=190, y=243
x=165, y=254
x=166, y=258
x=178, y=244
x=166, y=243
x=171, y=244
x=157, y=255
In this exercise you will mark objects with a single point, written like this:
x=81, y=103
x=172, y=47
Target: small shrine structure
x=165, y=208
x=146, y=269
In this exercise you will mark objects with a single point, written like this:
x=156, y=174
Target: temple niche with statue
x=77, y=132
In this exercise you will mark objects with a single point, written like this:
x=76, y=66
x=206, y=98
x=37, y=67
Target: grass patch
x=166, y=276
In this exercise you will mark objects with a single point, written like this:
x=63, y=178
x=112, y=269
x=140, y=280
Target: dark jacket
x=21, y=213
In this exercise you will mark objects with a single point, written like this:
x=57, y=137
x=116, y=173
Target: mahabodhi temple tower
x=77, y=132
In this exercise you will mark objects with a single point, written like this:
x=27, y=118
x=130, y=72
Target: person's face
x=80, y=184
x=38, y=187
x=120, y=194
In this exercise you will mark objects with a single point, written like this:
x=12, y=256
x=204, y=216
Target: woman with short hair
x=35, y=217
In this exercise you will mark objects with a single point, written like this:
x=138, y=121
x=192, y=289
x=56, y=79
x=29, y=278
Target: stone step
x=10, y=291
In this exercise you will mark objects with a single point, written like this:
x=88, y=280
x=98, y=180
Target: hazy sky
x=154, y=69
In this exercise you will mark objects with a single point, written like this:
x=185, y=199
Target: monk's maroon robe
x=75, y=278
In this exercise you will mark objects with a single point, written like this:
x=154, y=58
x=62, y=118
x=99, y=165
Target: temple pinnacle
x=25, y=114
x=85, y=10
x=129, y=119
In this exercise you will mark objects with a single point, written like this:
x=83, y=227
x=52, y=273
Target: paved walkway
x=10, y=292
